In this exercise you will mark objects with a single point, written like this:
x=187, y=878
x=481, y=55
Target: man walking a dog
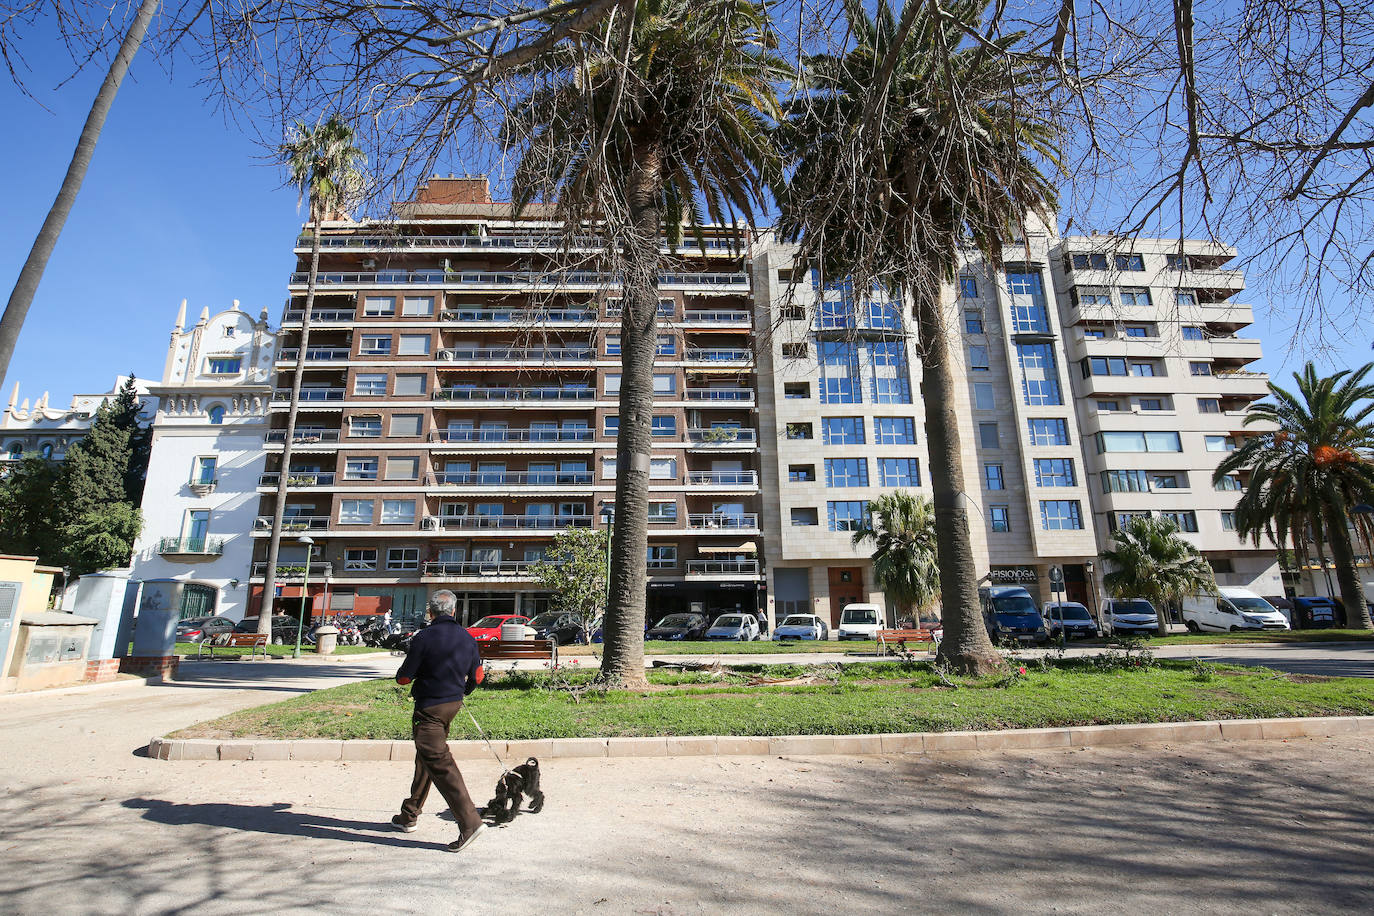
x=443, y=667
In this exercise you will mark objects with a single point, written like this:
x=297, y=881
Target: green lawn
x=1264, y=636
x=761, y=647
x=190, y=649
x=864, y=698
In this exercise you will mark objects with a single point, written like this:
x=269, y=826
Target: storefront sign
x=1012, y=575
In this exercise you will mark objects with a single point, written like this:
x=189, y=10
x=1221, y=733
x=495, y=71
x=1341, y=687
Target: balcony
x=725, y=395
x=722, y=567
x=288, y=571
x=722, y=437
x=731, y=479
x=520, y=242
x=189, y=550
x=313, y=355
x=733, y=356
x=511, y=478
x=496, y=436
x=298, y=479
x=477, y=569
x=305, y=436
x=510, y=522
x=730, y=522
x=716, y=317
x=521, y=317
x=515, y=279
x=515, y=394
x=308, y=395
x=516, y=355
x=318, y=316
x=293, y=523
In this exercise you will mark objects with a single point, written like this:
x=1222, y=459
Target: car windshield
x=1255, y=605
x=730, y=620
x=247, y=625
x=859, y=615
x=677, y=620
x=544, y=620
x=795, y=621
x=1014, y=604
x=1069, y=612
x=1135, y=606
x=488, y=623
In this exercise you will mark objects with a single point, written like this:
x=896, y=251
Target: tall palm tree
x=901, y=526
x=1311, y=469
x=1149, y=559
x=662, y=117
x=326, y=168
x=912, y=143
x=31, y=274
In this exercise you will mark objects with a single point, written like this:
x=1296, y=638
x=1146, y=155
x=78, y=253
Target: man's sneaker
x=463, y=842
x=400, y=823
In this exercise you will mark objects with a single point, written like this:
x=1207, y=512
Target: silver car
x=802, y=626
x=738, y=627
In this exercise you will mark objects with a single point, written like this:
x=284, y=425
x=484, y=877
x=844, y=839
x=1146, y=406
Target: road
x=90, y=826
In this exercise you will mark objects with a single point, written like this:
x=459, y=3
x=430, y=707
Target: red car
x=490, y=627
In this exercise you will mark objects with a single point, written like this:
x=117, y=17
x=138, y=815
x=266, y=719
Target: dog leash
x=504, y=768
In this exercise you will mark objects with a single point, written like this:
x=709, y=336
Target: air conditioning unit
x=369, y=264
x=430, y=523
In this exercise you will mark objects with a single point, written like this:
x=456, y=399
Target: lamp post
x=309, y=543
x=608, y=516
x=1092, y=596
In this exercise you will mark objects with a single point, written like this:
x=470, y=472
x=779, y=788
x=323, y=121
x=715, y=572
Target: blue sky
x=180, y=204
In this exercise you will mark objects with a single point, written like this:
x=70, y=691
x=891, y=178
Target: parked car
x=801, y=626
x=1284, y=606
x=678, y=626
x=284, y=628
x=489, y=627
x=561, y=628
x=195, y=629
x=1070, y=616
x=861, y=621
x=1009, y=612
x=739, y=627
x=1317, y=613
x=1230, y=610
x=1129, y=615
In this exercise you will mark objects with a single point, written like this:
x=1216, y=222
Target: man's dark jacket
x=443, y=662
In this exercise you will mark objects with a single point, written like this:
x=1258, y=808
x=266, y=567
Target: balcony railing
x=521, y=278
x=719, y=394
x=289, y=570
x=304, y=435
x=729, y=521
x=519, y=316
x=298, y=479
x=310, y=395
x=718, y=355
x=512, y=435
x=722, y=567
x=512, y=478
x=294, y=523
x=377, y=242
x=516, y=354
x=512, y=522
x=716, y=316
x=721, y=435
x=515, y=394
x=723, y=478
x=324, y=316
x=512, y=568
x=313, y=355
x=206, y=547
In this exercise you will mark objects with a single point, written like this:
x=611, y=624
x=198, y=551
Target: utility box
x=159, y=609
x=100, y=596
x=51, y=651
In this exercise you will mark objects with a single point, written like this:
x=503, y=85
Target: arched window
x=217, y=414
x=45, y=451
x=16, y=451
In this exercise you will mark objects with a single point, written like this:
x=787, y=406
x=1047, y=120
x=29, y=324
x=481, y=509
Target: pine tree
x=28, y=526
x=127, y=407
x=98, y=521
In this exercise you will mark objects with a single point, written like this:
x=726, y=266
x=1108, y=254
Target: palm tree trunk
x=1352, y=595
x=1321, y=556
x=269, y=580
x=26, y=287
x=623, y=633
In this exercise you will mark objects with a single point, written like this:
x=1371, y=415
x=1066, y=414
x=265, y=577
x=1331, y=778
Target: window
x=1209, y=405
x=1229, y=482
x=1193, y=332
x=1039, y=377
x=612, y=344
x=1131, y=262
x=413, y=345
x=1029, y=314
x=607, y=468
x=983, y=397
x=1143, y=370
x=1138, y=442
x=1228, y=521
x=805, y=517
x=835, y=314
x=796, y=390
x=1060, y=515
x=1200, y=368
x=846, y=516
x=417, y=306
x=1108, y=406
x=197, y=526
x=1000, y=517
x=356, y=511
x=402, y=468
x=992, y=477
x=661, y=556
x=839, y=365
x=987, y=436
x=801, y=473
x=375, y=345
x=968, y=286
x=792, y=313
x=1048, y=431
x=398, y=512
x=1186, y=521
x=202, y=472
x=379, y=307
x=1137, y=331
x=612, y=383
x=663, y=469
x=362, y=468
x=842, y=430
x=1091, y=333
x=359, y=559
x=224, y=365
x=666, y=346
x=1177, y=261
x=406, y=425
x=1119, y=520
x=973, y=321
x=894, y=430
x=1093, y=295
x=899, y=472
x=1135, y=295
x=664, y=426
x=1151, y=403
x=1166, y=481
x=1104, y=365
x=846, y=472
x=1221, y=565
x=369, y=385
x=216, y=415
x=1185, y=297
x=1219, y=443
x=404, y=558
x=410, y=385
x=1054, y=472
x=1090, y=261
x=663, y=384
x=662, y=512
x=978, y=358
x=1125, y=482
x=796, y=350
x=799, y=431
x=365, y=427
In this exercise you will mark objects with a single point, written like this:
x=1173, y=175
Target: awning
x=746, y=547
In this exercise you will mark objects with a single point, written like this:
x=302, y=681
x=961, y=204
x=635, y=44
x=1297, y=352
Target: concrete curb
x=119, y=684
x=788, y=745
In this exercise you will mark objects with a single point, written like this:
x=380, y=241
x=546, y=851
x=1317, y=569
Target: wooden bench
x=894, y=640
x=513, y=649
x=253, y=641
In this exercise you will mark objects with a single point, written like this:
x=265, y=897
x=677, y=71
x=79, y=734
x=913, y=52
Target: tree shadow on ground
x=279, y=818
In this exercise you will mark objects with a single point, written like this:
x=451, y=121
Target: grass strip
x=190, y=649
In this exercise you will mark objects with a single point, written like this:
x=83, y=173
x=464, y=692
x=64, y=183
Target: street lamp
x=608, y=516
x=309, y=543
x=1092, y=596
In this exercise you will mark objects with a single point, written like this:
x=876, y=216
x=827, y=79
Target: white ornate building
x=42, y=430
x=207, y=458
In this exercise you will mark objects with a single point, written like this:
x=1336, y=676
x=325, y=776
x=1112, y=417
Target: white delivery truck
x=1231, y=609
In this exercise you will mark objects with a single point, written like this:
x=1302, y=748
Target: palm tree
x=646, y=121
x=1310, y=470
x=892, y=176
x=901, y=526
x=325, y=167
x=31, y=274
x=1150, y=560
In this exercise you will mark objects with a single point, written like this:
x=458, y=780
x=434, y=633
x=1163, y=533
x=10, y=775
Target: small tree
x=1150, y=560
x=92, y=509
x=574, y=571
x=27, y=523
x=901, y=525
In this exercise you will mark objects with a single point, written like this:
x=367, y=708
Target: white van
x=1233, y=609
x=860, y=621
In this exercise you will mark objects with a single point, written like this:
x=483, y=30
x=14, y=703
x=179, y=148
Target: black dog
x=511, y=789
